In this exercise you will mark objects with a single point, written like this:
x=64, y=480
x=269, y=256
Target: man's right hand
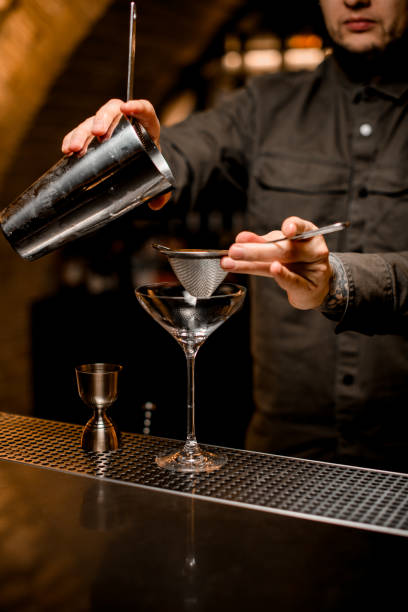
x=102, y=124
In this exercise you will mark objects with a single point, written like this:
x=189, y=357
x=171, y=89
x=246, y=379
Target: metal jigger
x=98, y=389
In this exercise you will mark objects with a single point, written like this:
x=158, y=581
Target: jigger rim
x=98, y=368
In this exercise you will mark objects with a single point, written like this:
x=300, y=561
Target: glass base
x=199, y=461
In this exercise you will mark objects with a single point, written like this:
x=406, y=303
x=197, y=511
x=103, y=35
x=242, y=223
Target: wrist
x=334, y=305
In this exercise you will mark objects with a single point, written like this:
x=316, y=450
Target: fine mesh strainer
x=198, y=270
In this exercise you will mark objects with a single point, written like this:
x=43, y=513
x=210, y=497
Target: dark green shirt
x=327, y=148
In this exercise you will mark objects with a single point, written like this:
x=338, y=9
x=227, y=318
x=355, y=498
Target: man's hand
x=102, y=124
x=300, y=267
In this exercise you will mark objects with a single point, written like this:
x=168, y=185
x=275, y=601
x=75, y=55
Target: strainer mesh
x=199, y=276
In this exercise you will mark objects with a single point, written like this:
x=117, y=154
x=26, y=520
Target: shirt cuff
x=335, y=304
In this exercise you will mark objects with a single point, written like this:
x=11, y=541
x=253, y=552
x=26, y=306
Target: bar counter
x=85, y=531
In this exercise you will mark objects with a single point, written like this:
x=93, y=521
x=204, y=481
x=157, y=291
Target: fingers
x=78, y=139
x=300, y=292
x=286, y=252
x=159, y=202
x=248, y=237
x=251, y=247
x=300, y=267
x=295, y=225
x=306, y=289
x=105, y=120
x=306, y=286
x=144, y=111
x=290, y=227
x=244, y=267
x=101, y=125
x=285, y=278
x=260, y=252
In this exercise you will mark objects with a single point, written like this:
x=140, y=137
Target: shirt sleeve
x=211, y=148
x=378, y=293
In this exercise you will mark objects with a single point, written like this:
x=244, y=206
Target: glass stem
x=191, y=443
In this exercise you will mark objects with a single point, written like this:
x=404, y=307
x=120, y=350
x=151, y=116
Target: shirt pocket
x=386, y=196
x=284, y=185
x=389, y=180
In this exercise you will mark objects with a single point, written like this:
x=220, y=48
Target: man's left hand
x=300, y=267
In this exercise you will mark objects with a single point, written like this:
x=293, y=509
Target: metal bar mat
x=358, y=497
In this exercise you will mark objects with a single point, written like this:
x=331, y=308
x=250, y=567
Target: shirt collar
x=388, y=76
x=393, y=90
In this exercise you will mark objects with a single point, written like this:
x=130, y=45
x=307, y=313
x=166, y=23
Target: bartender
x=326, y=145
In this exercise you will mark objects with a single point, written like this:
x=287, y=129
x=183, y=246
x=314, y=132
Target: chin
x=362, y=43
x=362, y=47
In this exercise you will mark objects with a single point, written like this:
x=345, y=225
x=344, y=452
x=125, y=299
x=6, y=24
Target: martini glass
x=190, y=320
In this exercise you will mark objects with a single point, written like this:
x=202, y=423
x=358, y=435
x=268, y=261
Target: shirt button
x=348, y=379
x=366, y=129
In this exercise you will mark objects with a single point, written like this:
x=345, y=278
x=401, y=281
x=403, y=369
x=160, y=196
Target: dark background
x=78, y=305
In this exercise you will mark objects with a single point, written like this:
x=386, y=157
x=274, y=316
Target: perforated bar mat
x=358, y=497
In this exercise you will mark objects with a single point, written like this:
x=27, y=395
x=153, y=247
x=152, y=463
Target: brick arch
x=36, y=38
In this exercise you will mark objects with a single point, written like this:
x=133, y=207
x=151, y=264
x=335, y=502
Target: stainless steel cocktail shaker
x=79, y=195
